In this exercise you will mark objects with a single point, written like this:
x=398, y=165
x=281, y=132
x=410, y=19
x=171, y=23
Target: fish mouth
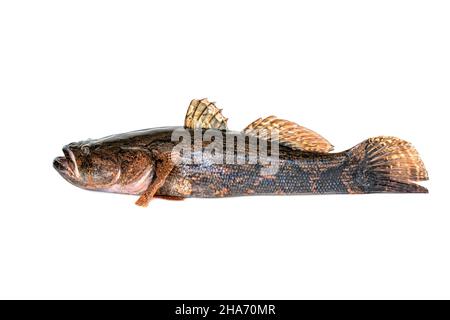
x=66, y=165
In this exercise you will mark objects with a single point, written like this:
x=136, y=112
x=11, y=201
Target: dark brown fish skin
x=126, y=163
x=298, y=173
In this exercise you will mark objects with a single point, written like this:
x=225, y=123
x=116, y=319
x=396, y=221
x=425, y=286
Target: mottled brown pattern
x=133, y=163
x=204, y=114
x=289, y=133
x=163, y=168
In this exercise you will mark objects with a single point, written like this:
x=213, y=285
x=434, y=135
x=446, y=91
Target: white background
x=71, y=70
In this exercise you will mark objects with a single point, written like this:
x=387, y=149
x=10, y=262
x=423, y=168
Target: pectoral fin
x=164, y=166
x=289, y=134
x=204, y=114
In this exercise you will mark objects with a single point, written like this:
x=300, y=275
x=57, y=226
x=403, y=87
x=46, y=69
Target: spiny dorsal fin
x=204, y=114
x=289, y=133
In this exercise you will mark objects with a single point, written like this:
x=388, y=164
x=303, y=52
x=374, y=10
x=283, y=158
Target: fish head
x=105, y=167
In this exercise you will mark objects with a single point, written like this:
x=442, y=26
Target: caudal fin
x=388, y=164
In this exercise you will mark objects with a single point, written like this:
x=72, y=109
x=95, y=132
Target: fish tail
x=387, y=164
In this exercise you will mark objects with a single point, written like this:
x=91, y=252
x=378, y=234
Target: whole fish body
x=142, y=163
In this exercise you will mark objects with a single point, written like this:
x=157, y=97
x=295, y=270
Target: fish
x=204, y=159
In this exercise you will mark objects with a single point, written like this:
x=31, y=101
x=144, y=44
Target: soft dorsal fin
x=289, y=133
x=204, y=114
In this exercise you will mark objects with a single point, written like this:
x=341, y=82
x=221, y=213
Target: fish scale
x=145, y=163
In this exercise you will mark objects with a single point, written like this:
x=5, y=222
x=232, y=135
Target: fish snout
x=66, y=165
x=61, y=164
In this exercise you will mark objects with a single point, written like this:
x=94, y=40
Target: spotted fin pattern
x=388, y=164
x=289, y=133
x=204, y=114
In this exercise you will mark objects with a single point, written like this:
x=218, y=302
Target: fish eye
x=85, y=150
